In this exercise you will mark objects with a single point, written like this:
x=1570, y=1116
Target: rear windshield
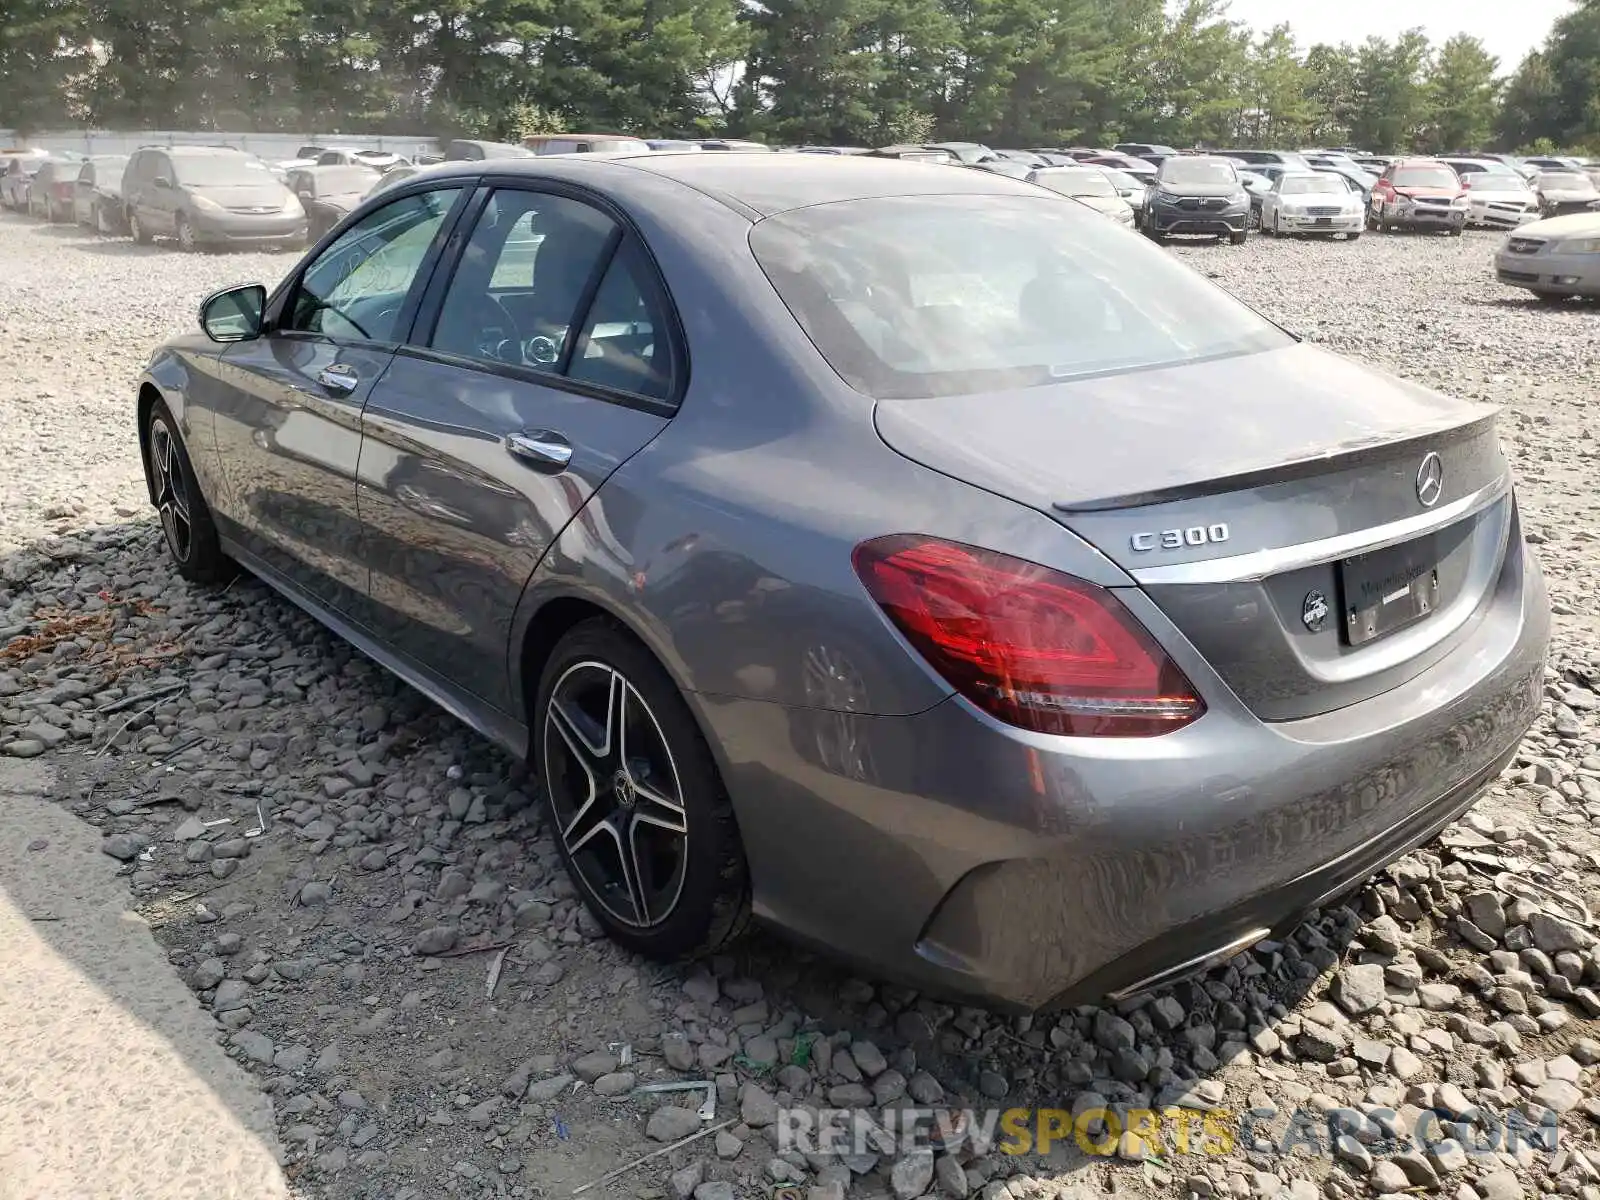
x=1075, y=183
x=1320, y=184
x=1433, y=177
x=608, y=145
x=1197, y=170
x=220, y=171
x=920, y=296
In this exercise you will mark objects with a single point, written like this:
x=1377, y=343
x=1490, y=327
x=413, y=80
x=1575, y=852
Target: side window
x=357, y=286
x=161, y=168
x=624, y=344
x=520, y=279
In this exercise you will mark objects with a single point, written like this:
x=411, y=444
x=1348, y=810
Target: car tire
x=102, y=223
x=1238, y=237
x=184, y=232
x=1456, y=231
x=1352, y=236
x=1549, y=297
x=137, y=231
x=1253, y=221
x=186, y=524
x=1277, y=224
x=667, y=799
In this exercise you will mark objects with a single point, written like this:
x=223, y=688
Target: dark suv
x=209, y=196
x=1197, y=194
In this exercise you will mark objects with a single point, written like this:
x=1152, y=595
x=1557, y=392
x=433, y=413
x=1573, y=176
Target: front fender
x=171, y=375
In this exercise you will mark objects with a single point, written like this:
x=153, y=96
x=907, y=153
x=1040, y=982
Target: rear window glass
x=947, y=295
x=1565, y=179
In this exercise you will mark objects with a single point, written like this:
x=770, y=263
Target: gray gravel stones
x=670, y=1124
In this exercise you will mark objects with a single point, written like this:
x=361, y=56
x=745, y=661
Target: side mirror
x=161, y=181
x=234, y=314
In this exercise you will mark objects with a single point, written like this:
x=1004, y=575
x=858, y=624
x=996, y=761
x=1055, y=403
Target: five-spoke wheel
x=186, y=523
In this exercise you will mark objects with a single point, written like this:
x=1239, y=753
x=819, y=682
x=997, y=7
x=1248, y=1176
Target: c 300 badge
x=1314, y=611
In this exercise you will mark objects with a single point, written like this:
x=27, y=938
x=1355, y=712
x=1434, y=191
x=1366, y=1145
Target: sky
x=1507, y=30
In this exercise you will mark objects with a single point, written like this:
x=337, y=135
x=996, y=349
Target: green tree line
x=858, y=72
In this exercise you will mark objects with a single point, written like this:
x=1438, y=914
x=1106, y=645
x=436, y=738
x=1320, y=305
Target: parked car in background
x=584, y=143
x=1130, y=187
x=967, y=152
x=202, y=197
x=1554, y=162
x=1256, y=185
x=1568, y=191
x=999, y=707
x=1359, y=178
x=1555, y=258
x=97, y=193
x=330, y=193
x=1312, y=203
x=1497, y=195
x=51, y=193
x=1126, y=163
x=1194, y=194
x=1089, y=186
x=1008, y=167
x=678, y=145
x=734, y=144
x=1151, y=152
x=1267, y=158
x=391, y=177
x=1026, y=157
x=473, y=150
x=912, y=153
x=1376, y=163
x=16, y=179
x=378, y=160
x=1418, y=193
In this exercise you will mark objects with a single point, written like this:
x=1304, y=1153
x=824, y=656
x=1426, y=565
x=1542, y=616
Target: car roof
x=200, y=151
x=771, y=183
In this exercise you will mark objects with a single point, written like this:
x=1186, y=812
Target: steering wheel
x=507, y=346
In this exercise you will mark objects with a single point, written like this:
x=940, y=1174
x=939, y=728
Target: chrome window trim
x=1262, y=564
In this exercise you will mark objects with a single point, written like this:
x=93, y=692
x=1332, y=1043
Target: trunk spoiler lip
x=1350, y=453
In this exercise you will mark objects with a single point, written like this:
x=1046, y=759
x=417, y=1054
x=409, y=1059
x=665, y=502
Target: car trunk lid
x=1241, y=493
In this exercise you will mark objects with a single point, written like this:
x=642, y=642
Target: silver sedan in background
x=1089, y=186
x=1555, y=259
x=1314, y=203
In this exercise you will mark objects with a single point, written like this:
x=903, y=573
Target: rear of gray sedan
x=1096, y=629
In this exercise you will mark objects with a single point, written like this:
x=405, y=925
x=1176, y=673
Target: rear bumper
x=982, y=863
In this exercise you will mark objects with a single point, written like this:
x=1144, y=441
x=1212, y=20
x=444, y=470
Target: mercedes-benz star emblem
x=1430, y=480
x=622, y=787
x=1314, y=611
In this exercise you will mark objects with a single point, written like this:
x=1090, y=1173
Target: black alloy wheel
x=186, y=523
x=639, y=811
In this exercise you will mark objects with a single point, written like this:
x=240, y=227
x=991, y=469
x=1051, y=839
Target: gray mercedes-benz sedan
x=909, y=558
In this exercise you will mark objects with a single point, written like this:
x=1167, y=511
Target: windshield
x=336, y=181
x=1068, y=182
x=1565, y=180
x=1197, y=170
x=1428, y=177
x=220, y=171
x=918, y=296
x=1314, y=184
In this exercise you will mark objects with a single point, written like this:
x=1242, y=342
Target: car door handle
x=339, y=378
x=542, y=448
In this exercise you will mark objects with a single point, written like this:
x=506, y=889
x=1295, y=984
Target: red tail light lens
x=1029, y=645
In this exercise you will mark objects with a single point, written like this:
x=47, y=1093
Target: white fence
x=266, y=145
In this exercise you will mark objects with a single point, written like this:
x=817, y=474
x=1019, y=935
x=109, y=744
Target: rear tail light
x=1037, y=649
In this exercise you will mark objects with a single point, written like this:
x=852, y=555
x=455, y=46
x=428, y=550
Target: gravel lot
x=346, y=951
